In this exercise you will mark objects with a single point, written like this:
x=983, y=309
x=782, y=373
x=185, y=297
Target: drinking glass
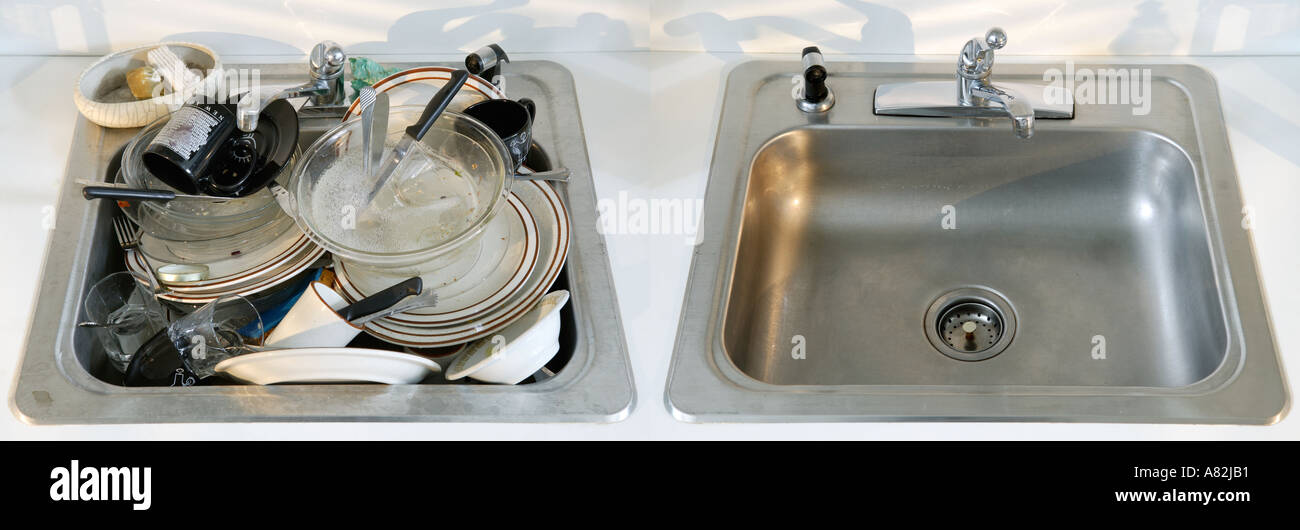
x=122, y=310
x=224, y=328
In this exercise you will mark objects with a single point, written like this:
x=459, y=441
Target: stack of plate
x=247, y=244
x=520, y=256
x=246, y=274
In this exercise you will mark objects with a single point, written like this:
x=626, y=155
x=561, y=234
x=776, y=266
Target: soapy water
x=428, y=200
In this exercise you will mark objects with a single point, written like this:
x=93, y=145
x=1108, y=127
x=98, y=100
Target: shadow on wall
x=81, y=27
x=34, y=27
x=238, y=43
x=1148, y=33
x=885, y=28
x=464, y=29
x=1227, y=27
x=1234, y=26
x=1222, y=27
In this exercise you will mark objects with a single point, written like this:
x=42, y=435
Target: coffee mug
x=314, y=321
x=200, y=150
x=195, y=138
x=512, y=121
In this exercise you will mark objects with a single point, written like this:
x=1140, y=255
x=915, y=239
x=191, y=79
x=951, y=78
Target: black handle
x=486, y=61
x=437, y=104
x=814, y=75
x=383, y=299
x=126, y=194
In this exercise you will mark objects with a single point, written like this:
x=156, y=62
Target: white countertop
x=650, y=123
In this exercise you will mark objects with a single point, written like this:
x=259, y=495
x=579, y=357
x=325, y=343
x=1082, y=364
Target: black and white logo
x=75, y=483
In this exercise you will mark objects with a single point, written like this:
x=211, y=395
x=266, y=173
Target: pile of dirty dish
x=408, y=244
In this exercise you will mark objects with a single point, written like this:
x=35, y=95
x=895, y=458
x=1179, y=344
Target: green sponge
x=366, y=72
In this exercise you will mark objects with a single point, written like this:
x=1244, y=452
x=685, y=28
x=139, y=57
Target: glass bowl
x=440, y=198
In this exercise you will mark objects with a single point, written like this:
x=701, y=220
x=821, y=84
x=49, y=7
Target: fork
x=129, y=239
x=367, y=98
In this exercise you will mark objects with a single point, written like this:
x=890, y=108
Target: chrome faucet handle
x=976, y=59
x=327, y=60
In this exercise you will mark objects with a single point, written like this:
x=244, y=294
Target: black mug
x=193, y=139
x=159, y=363
x=512, y=121
x=201, y=151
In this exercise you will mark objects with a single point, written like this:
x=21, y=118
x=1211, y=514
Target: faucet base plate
x=939, y=99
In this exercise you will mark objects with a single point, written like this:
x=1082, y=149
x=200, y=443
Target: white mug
x=314, y=322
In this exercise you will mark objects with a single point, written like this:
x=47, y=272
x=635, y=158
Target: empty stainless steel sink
x=865, y=267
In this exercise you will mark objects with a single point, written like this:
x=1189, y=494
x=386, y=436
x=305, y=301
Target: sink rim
x=705, y=385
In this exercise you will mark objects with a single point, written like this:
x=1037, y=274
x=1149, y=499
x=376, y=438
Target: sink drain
x=970, y=324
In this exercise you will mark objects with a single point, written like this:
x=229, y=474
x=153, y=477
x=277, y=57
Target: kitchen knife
x=416, y=131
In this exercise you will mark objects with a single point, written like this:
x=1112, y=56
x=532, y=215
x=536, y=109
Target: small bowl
x=95, y=85
x=518, y=350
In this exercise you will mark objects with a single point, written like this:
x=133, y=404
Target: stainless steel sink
x=64, y=378
x=859, y=267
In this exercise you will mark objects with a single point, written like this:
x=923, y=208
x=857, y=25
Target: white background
x=1061, y=27
x=649, y=81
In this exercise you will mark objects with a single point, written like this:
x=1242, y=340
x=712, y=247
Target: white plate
x=328, y=365
x=497, y=266
x=307, y=256
x=247, y=268
x=417, y=85
x=553, y=239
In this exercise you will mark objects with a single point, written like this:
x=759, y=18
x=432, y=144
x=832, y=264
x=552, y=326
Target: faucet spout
x=251, y=104
x=1019, y=108
x=325, y=88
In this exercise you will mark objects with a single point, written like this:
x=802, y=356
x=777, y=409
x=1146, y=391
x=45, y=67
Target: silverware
x=284, y=199
x=129, y=239
x=380, y=127
x=382, y=300
x=366, y=97
x=424, y=299
x=413, y=134
x=122, y=192
x=554, y=175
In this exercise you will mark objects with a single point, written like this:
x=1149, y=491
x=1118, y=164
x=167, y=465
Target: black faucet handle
x=814, y=75
x=817, y=96
x=486, y=62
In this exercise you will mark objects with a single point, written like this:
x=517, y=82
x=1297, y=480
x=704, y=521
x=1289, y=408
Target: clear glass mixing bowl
x=440, y=198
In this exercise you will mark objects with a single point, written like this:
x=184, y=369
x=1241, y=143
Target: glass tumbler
x=122, y=310
x=224, y=328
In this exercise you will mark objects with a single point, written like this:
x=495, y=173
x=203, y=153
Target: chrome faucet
x=326, y=87
x=977, y=97
x=974, y=66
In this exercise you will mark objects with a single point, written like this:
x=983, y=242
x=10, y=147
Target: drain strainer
x=970, y=324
